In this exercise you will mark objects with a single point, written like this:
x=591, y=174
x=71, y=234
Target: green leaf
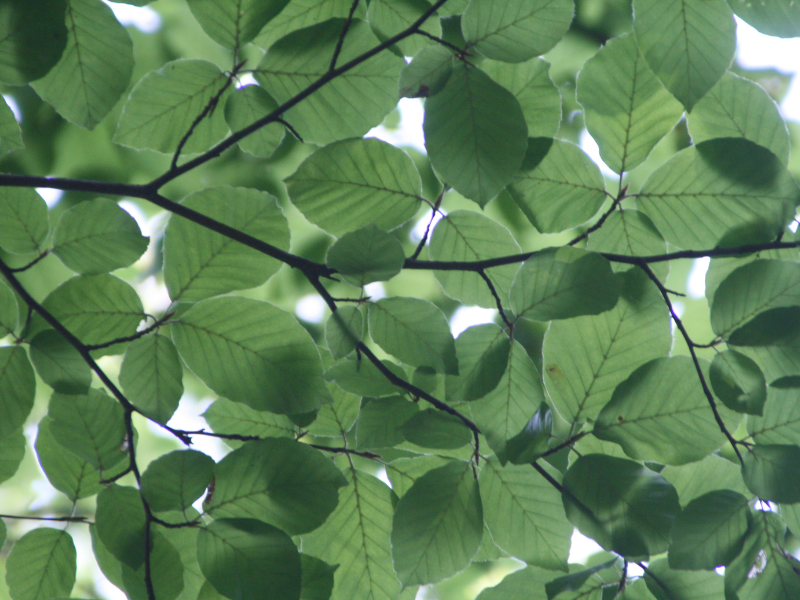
x=469, y=236
x=530, y=443
x=558, y=186
x=200, y=263
x=504, y=411
x=380, y=422
x=225, y=416
x=631, y=233
x=627, y=109
x=668, y=584
x=65, y=471
x=317, y=579
x=624, y=506
x=345, y=327
x=94, y=69
x=776, y=17
x=356, y=536
x=777, y=580
x=120, y=524
x=244, y=557
x=575, y=581
x=244, y=107
x=17, y=388
x=165, y=103
x=233, y=23
x=403, y=472
x=475, y=134
x=337, y=418
x=415, y=331
x=525, y=584
x=431, y=428
x=166, y=572
x=427, y=73
x=366, y=255
x=482, y=353
x=676, y=426
x=538, y=96
x=174, y=481
x=152, y=376
x=720, y=190
x=525, y=515
x=552, y=284
x=689, y=45
x=10, y=133
x=279, y=481
x=737, y=107
x=302, y=13
x=96, y=309
x=33, y=37
x=12, y=450
x=390, y=17
x=768, y=472
x=349, y=184
x=781, y=421
x=41, y=564
x=98, y=236
x=711, y=474
x=9, y=310
x=586, y=358
x=252, y=352
x=362, y=378
x=59, y=364
x=23, y=218
x=737, y=571
x=738, y=382
x=352, y=103
x=709, y=531
x=91, y=426
x=516, y=30
x=437, y=526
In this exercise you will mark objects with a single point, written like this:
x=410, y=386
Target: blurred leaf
x=120, y=524
x=713, y=473
x=9, y=310
x=431, y=428
x=768, y=472
x=33, y=38
x=344, y=329
x=298, y=14
x=668, y=584
x=12, y=450
x=233, y=23
x=244, y=107
x=776, y=17
x=403, y=472
x=366, y=255
x=738, y=382
x=361, y=377
x=152, y=376
x=380, y=421
x=23, y=219
x=525, y=584
x=317, y=578
x=427, y=73
x=530, y=443
x=10, y=133
x=41, y=564
x=575, y=581
x=390, y=17
x=17, y=388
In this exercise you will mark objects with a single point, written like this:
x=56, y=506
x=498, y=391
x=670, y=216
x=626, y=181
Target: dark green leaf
x=151, y=375
x=431, y=428
x=532, y=441
x=33, y=37
x=233, y=23
x=41, y=564
x=363, y=378
x=475, y=134
x=769, y=472
x=403, y=472
x=427, y=73
x=437, y=526
x=366, y=255
x=668, y=584
x=244, y=107
x=390, y=17
x=66, y=472
x=482, y=353
x=279, y=481
x=166, y=572
x=317, y=579
x=344, y=329
x=380, y=422
x=575, y=581
x=525, y=584
x=252, y=352
x=120, y=524
x=10, y=133
x=243, y=558
x=23, y=219
x=17, y=388
x=710, y=474
x=235, y=418
x=303, y=13
x=9, y=310
x=624, y=506
x=776, y=17
x=780, y=579
x=781, y=421
x=175, y=480
x=59, y=364
x=95, y=67
x=12, y=450
x=738, y=382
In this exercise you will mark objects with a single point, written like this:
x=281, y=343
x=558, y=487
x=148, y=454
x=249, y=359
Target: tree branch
x=497, y=300
x=601, y=220
x=133, y=337
x=345, y=29
x=60, y=519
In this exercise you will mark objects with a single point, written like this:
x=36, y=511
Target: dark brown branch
x=32, y=263
x=600, y=221
x=290, y=128
x=679, y=324
x=345, y=29
x=563, y=445
x=130, y=338
x=497, y=300
x=434, y=208
x=445, y=43
x=343, y=450
x=61, y=519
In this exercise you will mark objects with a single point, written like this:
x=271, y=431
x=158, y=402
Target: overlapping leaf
x=23, y=220
x=366, y=255
x=713, y=473
x=482, y=353
x=17, y=388
x=12, y=450
x=390, y=17
x=672, y=584
x=33, y=38
x=631, y=233
x=244, y=107
x=776, y=17
x=151, y=375
x=9, y=310
x=344, y=329
x=235, y=418
x=10, y=133
x=298, y=14
x=65, y=471
x=427, y=73
x=233, y=23
x=174, y=481
x=42, y=564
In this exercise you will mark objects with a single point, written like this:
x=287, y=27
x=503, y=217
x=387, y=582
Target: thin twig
x=32, y=263
x=497, y=300
x=342, y=450
x=438, y=40
x=342, y=35
x=601, y=220
x=133, y=337
x=563, y=445
x=649, y=574
x=434, y=208
x=62, y=519
x=289, y=126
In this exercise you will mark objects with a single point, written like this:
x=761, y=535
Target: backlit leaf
x=380, y=422
x=33, y=37
x=366, y=255
x=120, y=524
x=10, y=134
x=233, y=23
x=65, y=471
x=482, y=353
x=235, y=418
x=363, y=378
x=431, y=428
x=773, y=17
x=713, y=473
x=344, y=329
x=738, y=382
x=302, y=13
x=17, y=388
x=427, y=73
x=671, y=584
x=41, y=564
x=390, y=17
x=780, y=423
x=9, y=310
x=12, y=450
x=767, y=472
x=59, y=364
x=175, y=480
x=23, y=220
x=244, y=107
x=151, y=375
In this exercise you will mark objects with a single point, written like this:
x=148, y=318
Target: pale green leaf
x=627, y=109
x=98, y=236
x=349, y=184
x=279, y=481
x=390, y=17
x=41, y=565
x=33, y=37
x=94, y=69
x=769, y=472
x=337, y=418
x=552, y=284
x=689, y=45
x=415, y=331
x=738, y=382
x=17, y=388
x=348, y=106
x=361, y=377
x=675, y=426
x=366, y=255
x=10, y=133
x=539, y=98
x=174, y=481
x=66, y=472
x=525, y=514
x=780, y=423
x=252, y=352
x=525, y=584
x=668, y=584
x=475, y=134
x=9, y=310
x=152, y=377
x=91, y=426
x=235, y=418
x=59, y=364
x=720, y=192
x=737, y=107
x=380, y=421
x=356, y=536
x=624, y=506
x=482, y=352
x=586, y=358
x=344, y=329
x=12, y=450
x=23, y=219
x=516, y=30
x=631, y=233
x=200, y=263
x=771, y=17
x=437, y=526
x=120, y=524
x=427, y=73
x=244, y=107
x=558, y=186
x=431, y=428
x=242, y=558
x=720, y=267
x=298, y=14
x=164, y=104
x=470, y=236
x=713, y=473
x=233, y=23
